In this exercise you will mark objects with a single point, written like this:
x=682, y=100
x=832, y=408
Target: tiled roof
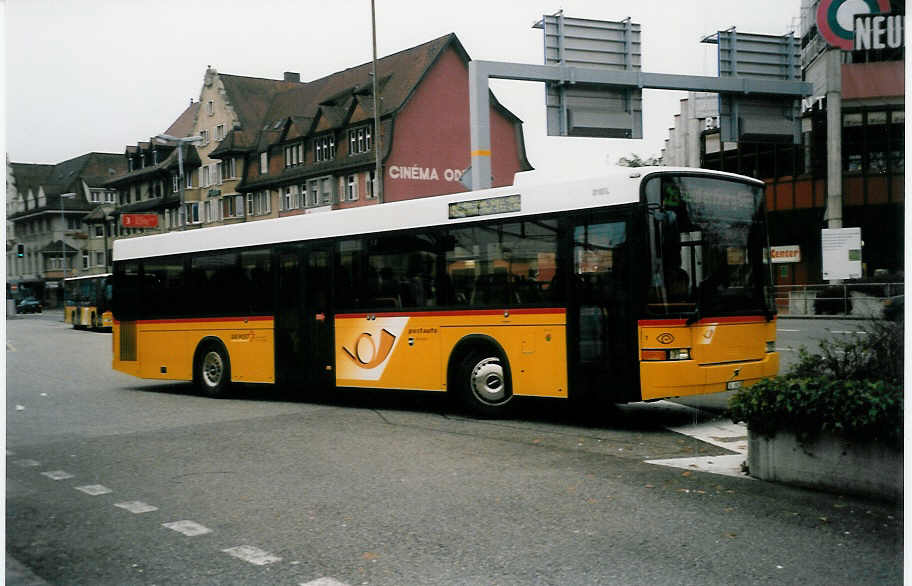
x=250, y=96
x=30, y=176
x=191, y=159
x=183, y=126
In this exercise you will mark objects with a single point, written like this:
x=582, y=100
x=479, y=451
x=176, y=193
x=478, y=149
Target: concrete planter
x=828, y=462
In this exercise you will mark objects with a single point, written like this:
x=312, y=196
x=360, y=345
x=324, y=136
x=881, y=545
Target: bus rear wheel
x=483, y=383
x=212, y=371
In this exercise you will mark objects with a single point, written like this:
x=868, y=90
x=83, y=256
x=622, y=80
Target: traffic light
x=20, y=250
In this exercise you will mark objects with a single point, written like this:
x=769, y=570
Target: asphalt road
x=114, y=480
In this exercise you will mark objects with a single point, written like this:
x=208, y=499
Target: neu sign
x=139, y=220
x=859, y=25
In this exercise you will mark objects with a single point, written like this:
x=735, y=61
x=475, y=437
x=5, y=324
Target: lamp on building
x=179, y=143
x=62, y=235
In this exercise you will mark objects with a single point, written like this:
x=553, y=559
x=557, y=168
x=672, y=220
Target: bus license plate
x=733, y=385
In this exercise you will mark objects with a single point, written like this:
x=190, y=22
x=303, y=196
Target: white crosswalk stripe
x=253, y=555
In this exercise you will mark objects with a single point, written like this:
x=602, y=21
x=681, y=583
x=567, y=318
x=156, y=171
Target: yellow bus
x=87, y=301
x=641, y=284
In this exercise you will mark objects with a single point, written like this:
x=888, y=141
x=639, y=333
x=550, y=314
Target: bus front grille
x=128, y=340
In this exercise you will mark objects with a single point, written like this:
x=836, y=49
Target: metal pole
x=378, y=177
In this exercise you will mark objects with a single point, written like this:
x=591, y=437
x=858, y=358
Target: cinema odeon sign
x=860, y=25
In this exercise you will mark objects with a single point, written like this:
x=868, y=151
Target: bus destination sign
x=139, y=220
x=485, y=207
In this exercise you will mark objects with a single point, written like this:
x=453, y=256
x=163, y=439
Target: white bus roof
x=615, y=186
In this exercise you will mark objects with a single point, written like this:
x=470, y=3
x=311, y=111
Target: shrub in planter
x=851, y=388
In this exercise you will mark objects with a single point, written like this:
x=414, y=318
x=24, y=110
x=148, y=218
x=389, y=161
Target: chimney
x=292, y=76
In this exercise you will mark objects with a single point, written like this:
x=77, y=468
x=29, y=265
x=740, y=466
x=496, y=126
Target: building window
x=207, y=211
x=359, y=140
x=294, y=155
x=216, y=173
x=371, y=177
x=85, y=260
x=210, y=107
x=192, y=213
x=324, y=148
x=110, y=197
x=129, y=164
x=290, y=197
x=220, y=132
x=351, y=188
x=264, y=163
x=99, y=259
x=228, y=169
x=175, y=183
x=250, y=198
x=204, y=176
x=99, y=231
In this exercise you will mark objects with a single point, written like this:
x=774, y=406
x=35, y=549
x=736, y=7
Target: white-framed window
x=175, y=183
x=324, y=148
x=215, y=172
x=264, y=163
x=263, y=203
x=205, y=135
x=228, y=169
x=182, y=216
x=359, y=140
x=99, y=230
x=95, y=196
x=210, y=107
x=110, y=196
x=154, y=156
x=204, y=176
x=351, y=187
x=250, y=198
x=207, y=211
x=85, y=260
x=192, y=213
x=313, y=192
x=371, y=183
x=294, y=154
x=99, y=258
x=289, y=197
x=129, y=164
x=327, y=190
x=301, y=196
x=219, y=131
x=189, y=177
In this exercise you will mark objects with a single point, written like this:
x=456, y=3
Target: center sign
x=139, y=220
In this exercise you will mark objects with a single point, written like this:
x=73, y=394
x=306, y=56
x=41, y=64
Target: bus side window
x=256, y=270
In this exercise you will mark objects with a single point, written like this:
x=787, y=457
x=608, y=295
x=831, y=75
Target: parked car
x=28, y=305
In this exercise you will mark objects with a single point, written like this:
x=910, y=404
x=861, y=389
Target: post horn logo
x=836, y=19
x=366, y=354
x=665, y=338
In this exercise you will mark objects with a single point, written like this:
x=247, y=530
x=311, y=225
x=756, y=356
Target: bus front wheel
x=212, y=370
x=483, y=383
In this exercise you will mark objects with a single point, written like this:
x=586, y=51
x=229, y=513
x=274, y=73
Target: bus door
x=303, y=322
x=602, y=309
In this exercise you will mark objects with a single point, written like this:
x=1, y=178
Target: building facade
x=847, y=171
x=49, y=239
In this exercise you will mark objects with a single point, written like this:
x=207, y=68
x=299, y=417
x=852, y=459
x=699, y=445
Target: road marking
x=788, y=330
x=57, y=475
x=188, y=528
x=324, y=582
x=251, y=554
x=27, y=463
x=846, y=332
x=720, y=433
x=94, y=489
x=136, y=507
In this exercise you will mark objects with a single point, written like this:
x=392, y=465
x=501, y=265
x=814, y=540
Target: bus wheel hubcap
x=487, y=380
x=212, y=368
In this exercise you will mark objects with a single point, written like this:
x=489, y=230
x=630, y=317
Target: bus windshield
x=707, y=242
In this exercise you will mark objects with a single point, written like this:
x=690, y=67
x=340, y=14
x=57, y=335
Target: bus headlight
x=663, y=354
x=771, y=346
x=679, y=354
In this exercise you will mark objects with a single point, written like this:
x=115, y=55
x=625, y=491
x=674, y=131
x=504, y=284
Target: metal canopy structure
x=582, y=109
x=752, y=56
x=578, y=109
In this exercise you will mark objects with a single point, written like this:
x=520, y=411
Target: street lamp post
x=179, y=142
x=63, y=196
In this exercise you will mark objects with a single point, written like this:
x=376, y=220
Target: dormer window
x=359, y=140
x=154, y=156
x=129, y=164
x=294, y=154
x=324, y=148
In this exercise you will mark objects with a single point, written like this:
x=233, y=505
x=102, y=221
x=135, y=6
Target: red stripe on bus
x=704, y=321
x=456, y=312
x=184, y=320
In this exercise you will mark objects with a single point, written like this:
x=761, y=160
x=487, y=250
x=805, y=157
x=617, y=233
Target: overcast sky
x=96, y=75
